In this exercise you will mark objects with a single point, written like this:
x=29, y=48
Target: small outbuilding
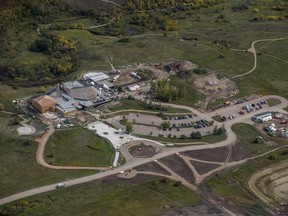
x=43, y=103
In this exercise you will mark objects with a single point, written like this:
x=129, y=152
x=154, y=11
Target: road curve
x=231, y=137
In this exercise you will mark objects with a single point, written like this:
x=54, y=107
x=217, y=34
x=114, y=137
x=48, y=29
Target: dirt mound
x=142, y=151
x=271, y=184
x=215, y=86
x=174, y=67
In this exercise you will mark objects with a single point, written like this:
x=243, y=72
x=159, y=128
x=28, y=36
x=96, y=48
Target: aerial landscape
x=144, y=107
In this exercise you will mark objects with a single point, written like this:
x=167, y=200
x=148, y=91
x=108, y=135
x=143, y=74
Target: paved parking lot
x=151, y=125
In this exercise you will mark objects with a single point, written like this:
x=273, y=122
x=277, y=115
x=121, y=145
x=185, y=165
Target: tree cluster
x=61, y=61
x=166, y=92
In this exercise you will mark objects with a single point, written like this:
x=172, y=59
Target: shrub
x=273, y=157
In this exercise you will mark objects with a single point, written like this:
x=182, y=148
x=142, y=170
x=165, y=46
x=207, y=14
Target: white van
x=60, y=185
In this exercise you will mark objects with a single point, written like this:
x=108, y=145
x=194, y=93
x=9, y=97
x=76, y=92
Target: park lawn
x=191, y=97
x=96, y=198
x=236, y=178
x=286, y=109
x=78, y=147
x=148, y=48
x=7, y=94
x=273, y=102
x=275, y=49
x=246, y=134
x=19, y=170
x=217, y=118
x=269, y=77
x=184, y=142
x=139, y=105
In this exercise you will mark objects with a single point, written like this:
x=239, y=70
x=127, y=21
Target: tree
x=129, y=127
x=2, y=107
x=196, y=135
x=120, y=89
x=165, y=125
x=41, y=45
x=42, y=89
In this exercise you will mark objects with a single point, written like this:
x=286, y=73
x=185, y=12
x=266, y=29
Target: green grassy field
x=148, y=47
x=96, y=198
x=138, y=105
x=236, y=180
x=7, y=94
x=247, y=135
x=78, y=147
x=181, y=142
x=273, y=102
x=286, y=109
x=18, y=168
x=217, y=118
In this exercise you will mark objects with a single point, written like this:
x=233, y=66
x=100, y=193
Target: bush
x=273, y=157
x=41, y=45
x=176, y=184
x=124, y=40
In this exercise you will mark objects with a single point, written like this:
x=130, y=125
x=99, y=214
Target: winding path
x=252, y=49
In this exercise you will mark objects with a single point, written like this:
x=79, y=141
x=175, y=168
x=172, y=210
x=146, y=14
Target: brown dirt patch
x=128, y=174
x=142, y=151
x=217, y=154
x=238, y=153
x=203, y=168
x=125, y=78
x=177, y=165
x=201, y=209
x=152, y=167
x=215, y=86
x=82, y=117
x=114, y=179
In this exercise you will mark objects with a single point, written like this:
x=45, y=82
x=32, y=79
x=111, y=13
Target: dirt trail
x=257, y=185
x=252, y=50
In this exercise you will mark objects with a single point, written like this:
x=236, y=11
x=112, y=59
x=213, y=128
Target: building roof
x=109, y=84
x=96, y=76
x=263, y=115
x=45, y=100
x=72, y=85
x=66, y=106
x=85, y=93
